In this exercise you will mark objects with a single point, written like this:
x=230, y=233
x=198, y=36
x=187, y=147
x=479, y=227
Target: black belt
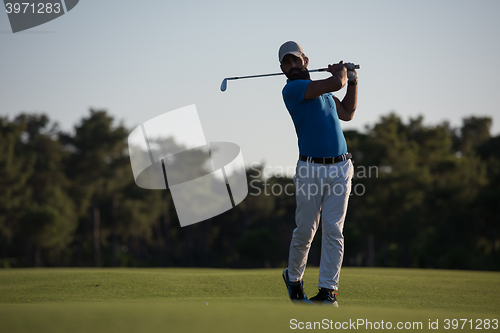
x=325, y=160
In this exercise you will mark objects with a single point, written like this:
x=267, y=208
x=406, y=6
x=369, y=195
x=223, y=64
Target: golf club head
x=223, y=86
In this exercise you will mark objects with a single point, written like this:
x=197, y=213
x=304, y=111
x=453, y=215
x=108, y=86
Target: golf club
x=223, y=86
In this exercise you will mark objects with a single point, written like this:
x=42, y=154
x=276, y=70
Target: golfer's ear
x=306, y=61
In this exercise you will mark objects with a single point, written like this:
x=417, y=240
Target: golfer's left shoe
x=325, y=297
x=295, y=292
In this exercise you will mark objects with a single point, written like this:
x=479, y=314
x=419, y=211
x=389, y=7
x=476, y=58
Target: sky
x=138, y=60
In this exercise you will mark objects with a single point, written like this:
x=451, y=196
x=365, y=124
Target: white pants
x=320, y=190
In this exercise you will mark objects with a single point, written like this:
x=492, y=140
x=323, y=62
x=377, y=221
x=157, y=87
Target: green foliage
x=423, y=196
x=44, y=226
x=15, y=170
x=259, y=246
x=421, y=210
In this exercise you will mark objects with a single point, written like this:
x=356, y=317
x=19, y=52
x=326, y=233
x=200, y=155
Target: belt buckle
x=324, y=158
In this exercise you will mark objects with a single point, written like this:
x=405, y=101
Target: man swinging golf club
x=324, y=169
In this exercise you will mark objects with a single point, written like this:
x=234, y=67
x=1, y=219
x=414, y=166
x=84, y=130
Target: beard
x=298, y=74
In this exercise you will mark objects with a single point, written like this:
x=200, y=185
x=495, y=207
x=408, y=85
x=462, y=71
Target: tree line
x=426, y=196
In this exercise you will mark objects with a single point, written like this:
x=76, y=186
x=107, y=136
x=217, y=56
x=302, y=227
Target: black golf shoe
x=325, y=297
x=295, y=292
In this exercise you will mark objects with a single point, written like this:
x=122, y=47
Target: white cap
x=290, y=48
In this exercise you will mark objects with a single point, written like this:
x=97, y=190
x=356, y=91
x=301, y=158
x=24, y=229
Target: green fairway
x=173, y=300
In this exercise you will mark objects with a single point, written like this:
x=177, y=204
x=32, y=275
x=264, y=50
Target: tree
x=96, y=163
x=15, y=170
x=48, y=220
x=475, y=130
x=423, y=197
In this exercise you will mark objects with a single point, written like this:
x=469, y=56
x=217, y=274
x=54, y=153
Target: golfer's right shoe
x=295, y=292
x=325, y=297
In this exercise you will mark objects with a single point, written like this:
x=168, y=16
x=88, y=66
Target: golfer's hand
x=336, y=68
x=352, y=75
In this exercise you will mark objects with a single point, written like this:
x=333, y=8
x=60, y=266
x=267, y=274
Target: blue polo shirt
x=316, y=121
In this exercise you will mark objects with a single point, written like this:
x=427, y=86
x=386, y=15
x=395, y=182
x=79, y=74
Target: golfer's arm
x=347, y=107
x=320, y=87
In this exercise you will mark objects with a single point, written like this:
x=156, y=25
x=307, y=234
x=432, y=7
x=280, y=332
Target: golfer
x=324, y=169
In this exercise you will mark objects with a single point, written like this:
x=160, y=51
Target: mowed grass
x=174, y=300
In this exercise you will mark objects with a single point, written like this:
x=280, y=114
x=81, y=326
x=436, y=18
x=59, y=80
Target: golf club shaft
x=273, y=74
x=224, y=82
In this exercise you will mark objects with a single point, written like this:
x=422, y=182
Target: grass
x=172, y=300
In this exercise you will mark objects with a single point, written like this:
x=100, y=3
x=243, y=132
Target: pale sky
x=140, y=59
